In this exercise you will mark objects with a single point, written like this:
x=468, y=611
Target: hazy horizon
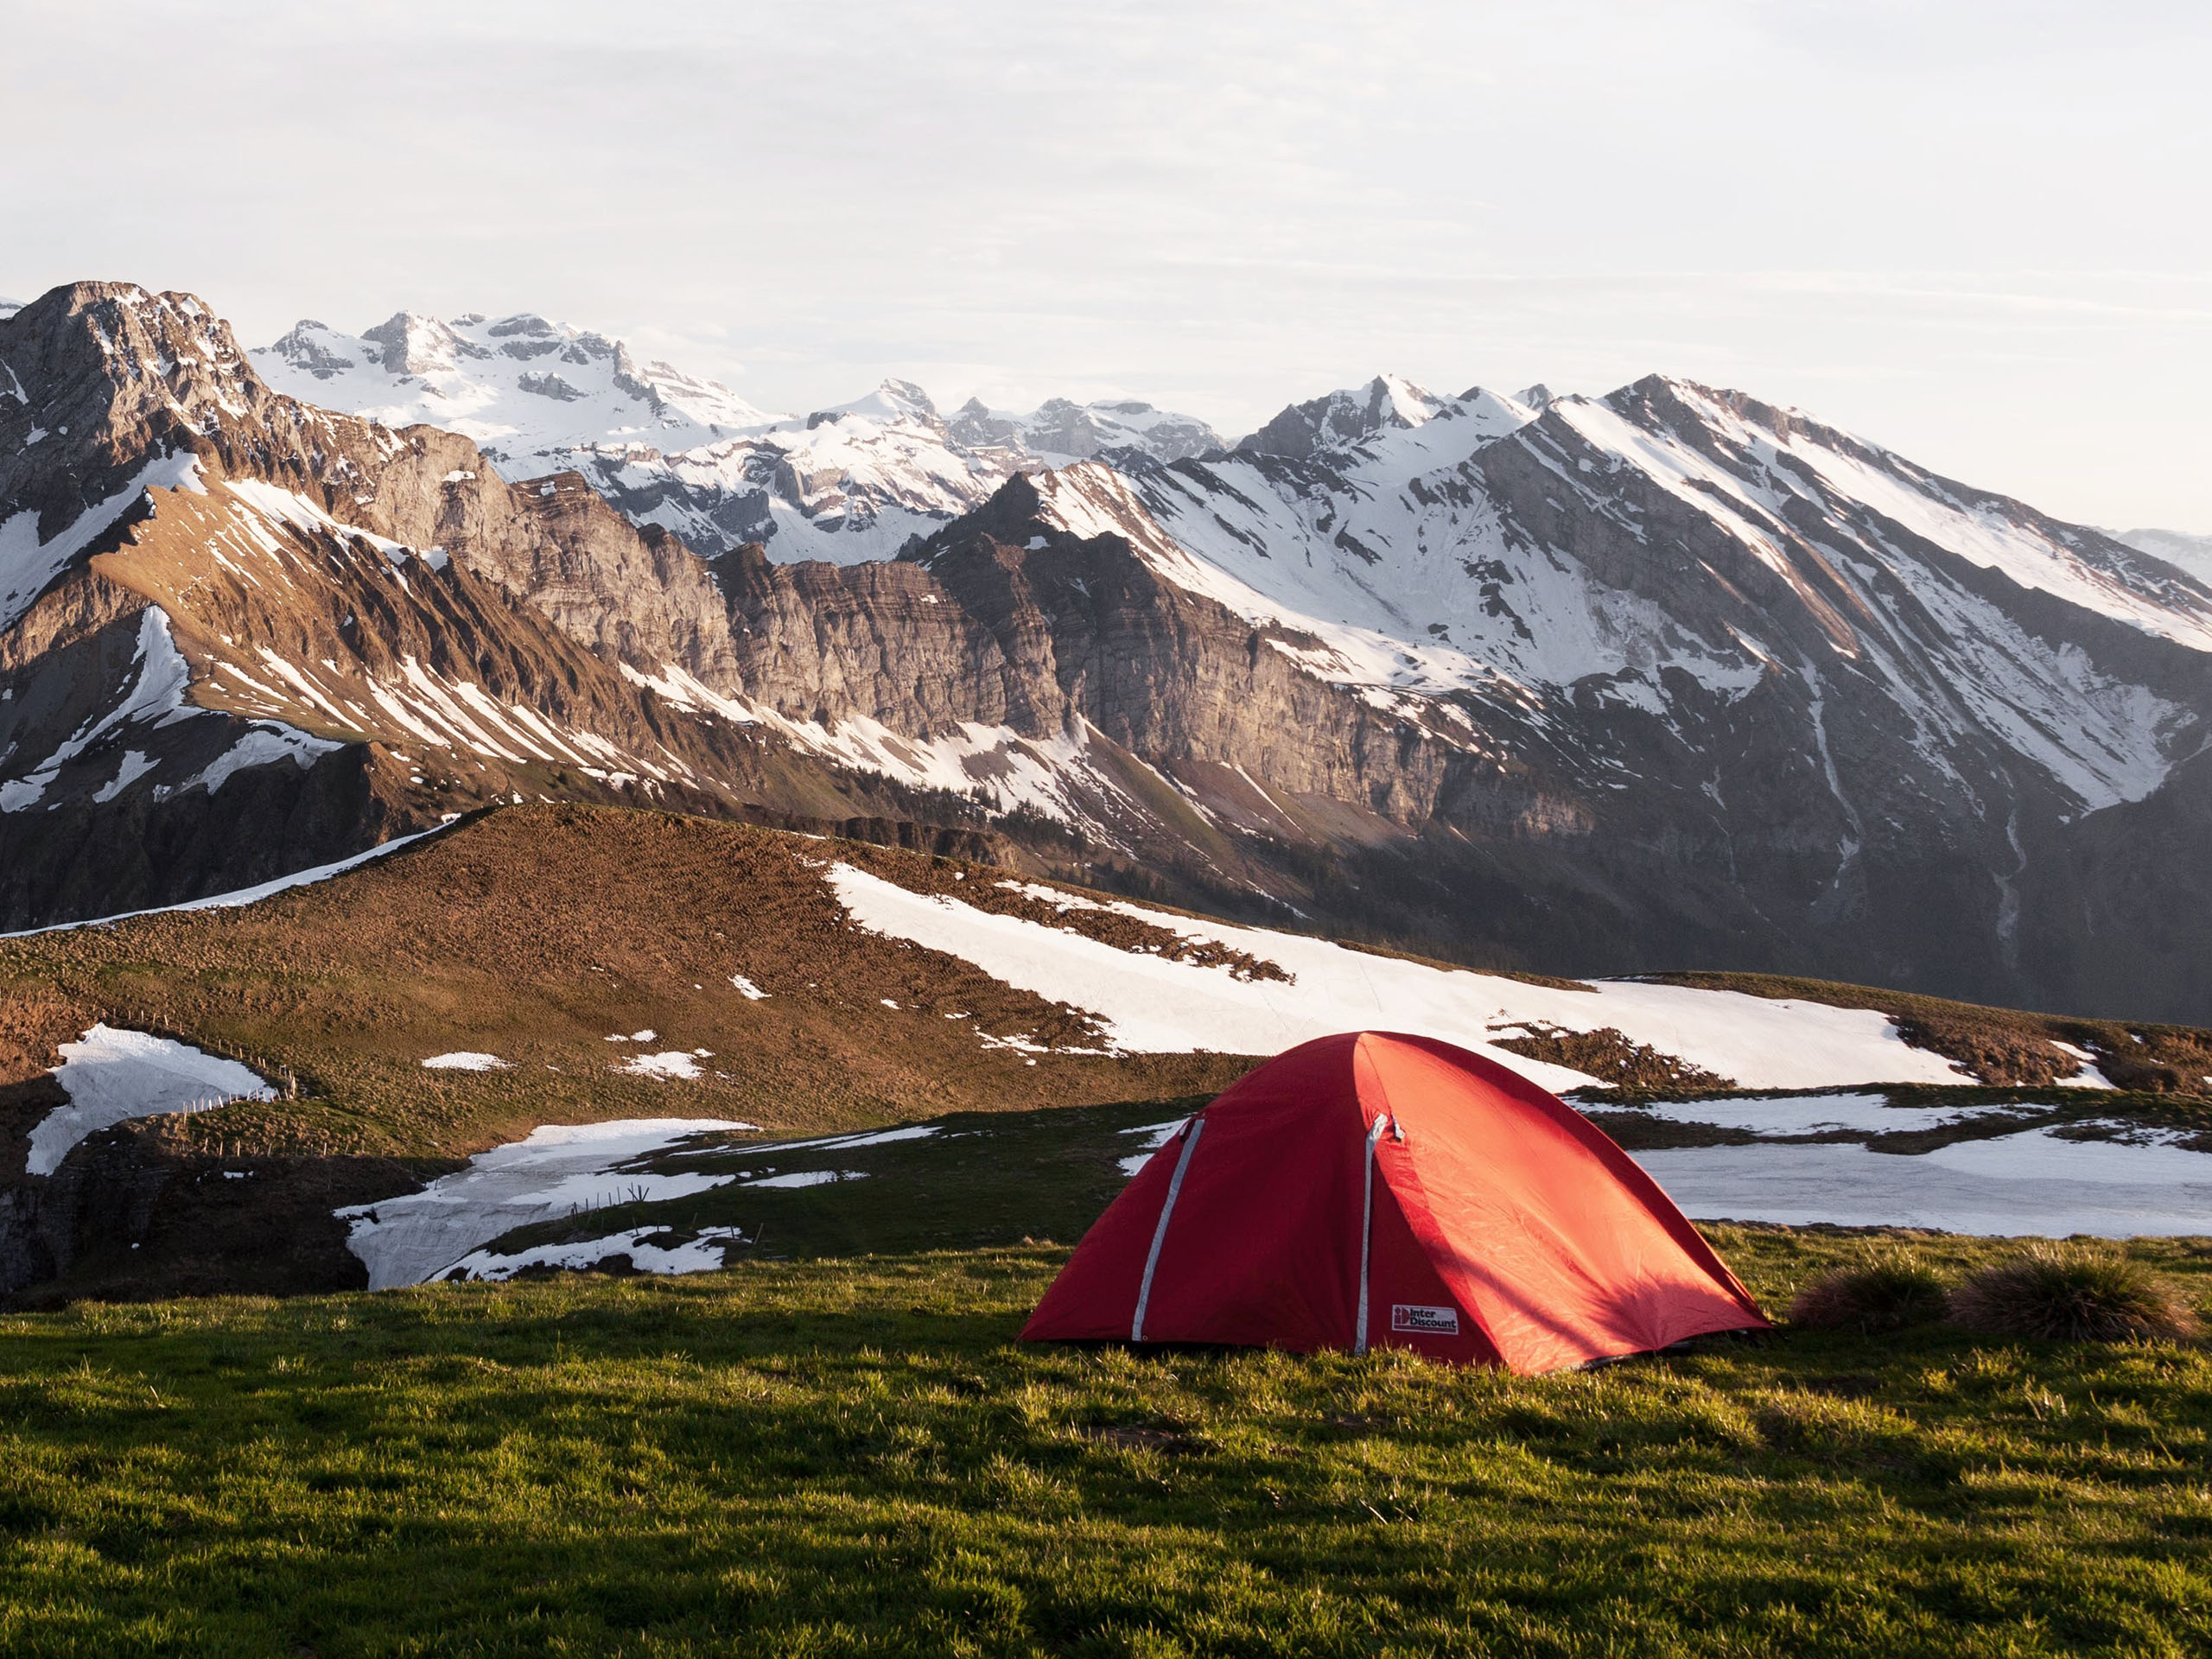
x=1960, y=230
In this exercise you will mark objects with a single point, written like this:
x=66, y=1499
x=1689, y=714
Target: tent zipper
x=1160, y=1233
x=1366, y=1229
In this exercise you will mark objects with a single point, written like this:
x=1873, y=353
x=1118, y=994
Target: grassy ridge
x=856, y=1457
x=536, y=933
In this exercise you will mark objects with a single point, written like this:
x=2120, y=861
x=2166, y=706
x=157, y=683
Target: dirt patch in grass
x=1996, y=1050
x=34, y=1022
x=1611, y=1057
x=1143, y=1437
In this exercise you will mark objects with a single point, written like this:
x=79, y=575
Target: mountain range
x=852, y=482
x=1669, y=678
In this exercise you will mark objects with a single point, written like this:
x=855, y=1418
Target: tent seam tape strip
x=1160, y=1233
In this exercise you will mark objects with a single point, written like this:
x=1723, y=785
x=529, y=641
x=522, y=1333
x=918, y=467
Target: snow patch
x=701, y=1253
x=560, y=1170
x=135, y=766
x=1156, y=1135
x=465, y=1060
x=114, y=1075
x=266, y=743
x=675, y=1065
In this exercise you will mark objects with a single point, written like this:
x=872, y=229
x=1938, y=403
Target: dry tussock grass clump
x=2074, y=1295
x=1612, y=1057
x=1887, y=1293
x=1997, y=1048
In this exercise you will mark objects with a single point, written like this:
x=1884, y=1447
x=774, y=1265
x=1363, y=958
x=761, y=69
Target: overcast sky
x=1976, y=232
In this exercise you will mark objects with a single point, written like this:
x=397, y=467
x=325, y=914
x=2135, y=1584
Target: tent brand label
x=1425, y=1321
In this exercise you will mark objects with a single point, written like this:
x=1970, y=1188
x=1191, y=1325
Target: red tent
x=1372, y=1190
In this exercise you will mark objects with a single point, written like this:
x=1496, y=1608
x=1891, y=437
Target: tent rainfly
x=1377, y=1190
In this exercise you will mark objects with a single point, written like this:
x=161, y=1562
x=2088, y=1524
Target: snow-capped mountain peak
x=1062, y=430
x=1764, y=472
x=409, y=344
x=846, y=482
x=892, y=401
x=525, y=389
x=1346, y=417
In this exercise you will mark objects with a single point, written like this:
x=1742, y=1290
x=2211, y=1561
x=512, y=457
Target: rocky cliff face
x=243, y=636
x=1668, y=677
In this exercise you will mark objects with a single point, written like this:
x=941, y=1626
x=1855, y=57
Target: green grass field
x=838, y=1457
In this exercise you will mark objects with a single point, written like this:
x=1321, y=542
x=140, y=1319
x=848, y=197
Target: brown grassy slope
x=535, y=933
x=2007, y=1047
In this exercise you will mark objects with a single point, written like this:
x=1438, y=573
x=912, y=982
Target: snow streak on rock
x=28, y=564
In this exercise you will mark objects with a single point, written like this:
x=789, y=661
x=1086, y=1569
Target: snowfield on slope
x=2029, y=1185
x=1150, y=1004
x=564, y=1169
x=560, y=1169
x=113, y=1077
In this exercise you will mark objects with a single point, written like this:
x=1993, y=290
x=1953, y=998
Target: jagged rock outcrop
x=1340, y=418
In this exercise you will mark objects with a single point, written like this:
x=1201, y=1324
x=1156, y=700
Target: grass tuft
x=2074, y=1295
x=1888, y=1292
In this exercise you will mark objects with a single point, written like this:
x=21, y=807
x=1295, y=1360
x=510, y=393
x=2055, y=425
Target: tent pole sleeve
x=1366, y=1231
x=1160, y=1233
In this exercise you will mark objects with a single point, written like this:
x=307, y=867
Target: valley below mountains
x=1669, y=679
